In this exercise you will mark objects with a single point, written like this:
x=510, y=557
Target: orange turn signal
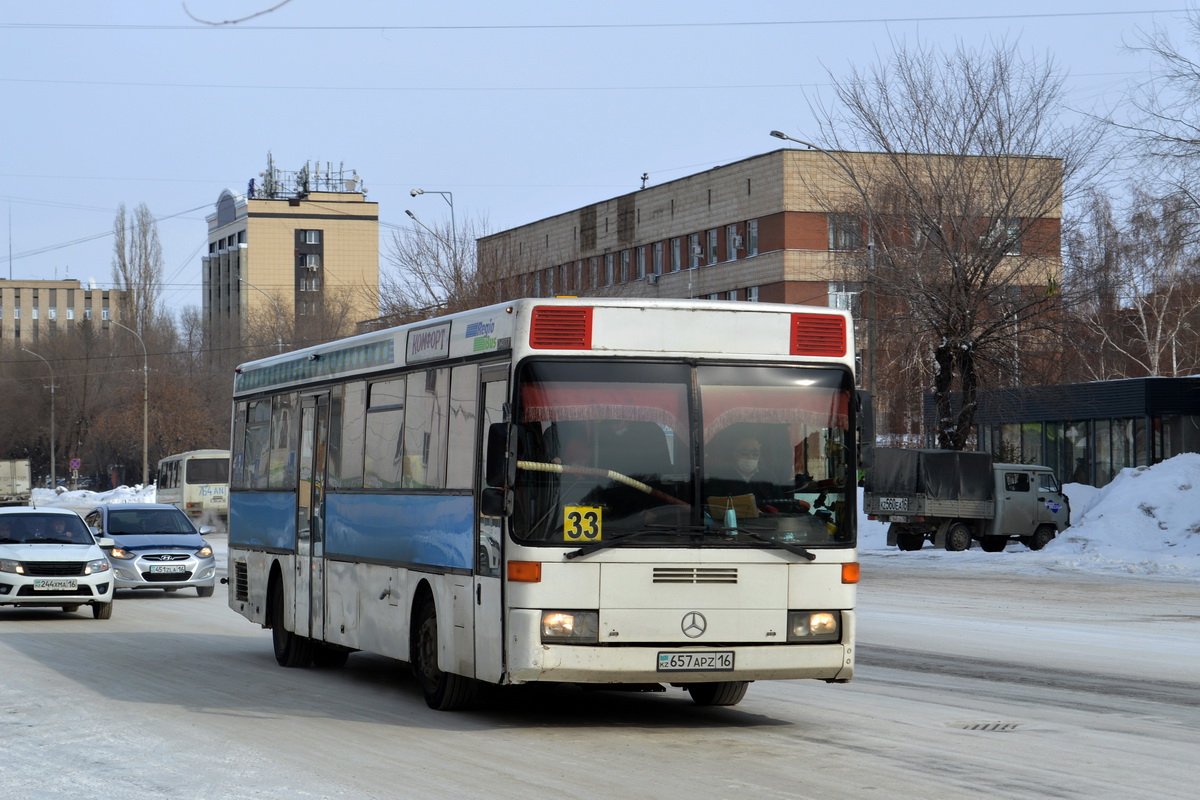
x=850, y=572
x=525, y=571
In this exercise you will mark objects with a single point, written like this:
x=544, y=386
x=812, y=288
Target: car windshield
x=136, y=521
x=743, y=455
x=43, y=529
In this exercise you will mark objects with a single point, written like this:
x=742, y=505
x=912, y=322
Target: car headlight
x=12, y=566
x=814, y=626
x=574, y=627
x=121, y=553
x=204, y=552
x=97, y=565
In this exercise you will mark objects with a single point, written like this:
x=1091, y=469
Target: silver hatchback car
x=155, y=546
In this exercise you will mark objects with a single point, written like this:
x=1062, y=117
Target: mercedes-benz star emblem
x=694, y=624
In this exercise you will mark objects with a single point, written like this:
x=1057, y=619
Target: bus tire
x=1041, y=537
x=444, y=691
x=291, y=650
x=958, y=537
x=722, y=693
x=993, y=544
x=102, y=610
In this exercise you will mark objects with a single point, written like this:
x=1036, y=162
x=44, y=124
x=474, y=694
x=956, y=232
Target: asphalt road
x=969, y=685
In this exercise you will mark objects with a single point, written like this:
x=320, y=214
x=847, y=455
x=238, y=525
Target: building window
x=104, y=314
x=658, y=258
x=34, y=312
x=537, y=284
x=732, y=242
x=1006, y=233
x=87, y=313
x=845, y=232
x=641, y=262
x=846, y=295
x=624, y=266
x=52, y=313
x=731, y=294
x=711, y=246
x=714, y=296
x=676, y=254
x=312, y=261
x=695, y=251
x=752, y=238
x=752, y=294
x=70, y=313
x=311, y=237
x=608, y=269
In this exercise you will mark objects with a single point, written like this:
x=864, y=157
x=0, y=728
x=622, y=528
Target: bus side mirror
x=501, y=462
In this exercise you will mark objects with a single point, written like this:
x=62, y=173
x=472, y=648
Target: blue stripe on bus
x=263, y=519
x=432, y=530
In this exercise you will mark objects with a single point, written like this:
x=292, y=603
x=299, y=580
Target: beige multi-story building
x=297, y=255
x=31, y=310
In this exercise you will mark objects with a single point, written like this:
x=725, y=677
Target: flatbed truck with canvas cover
x=15, y=483
x=952, y=498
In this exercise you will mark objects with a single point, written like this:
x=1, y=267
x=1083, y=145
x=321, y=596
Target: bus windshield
x=737, y=455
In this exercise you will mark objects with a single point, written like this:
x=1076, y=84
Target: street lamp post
x=278, y=311
x=53, y=475
x=449, y=198
x=145, y=404
x=870, y=309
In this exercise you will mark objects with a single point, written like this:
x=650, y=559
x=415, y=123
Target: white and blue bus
x=197, y=483
x=592, y=491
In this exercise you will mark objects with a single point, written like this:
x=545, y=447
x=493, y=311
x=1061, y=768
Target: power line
x=589, y=25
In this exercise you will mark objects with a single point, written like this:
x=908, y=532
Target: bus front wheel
x=444, y=691
x=723, y=693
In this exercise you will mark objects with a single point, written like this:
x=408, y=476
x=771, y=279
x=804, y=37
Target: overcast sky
x=520, y=109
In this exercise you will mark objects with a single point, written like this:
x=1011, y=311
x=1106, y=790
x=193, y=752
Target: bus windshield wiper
x=791, y=548
x=614, y=542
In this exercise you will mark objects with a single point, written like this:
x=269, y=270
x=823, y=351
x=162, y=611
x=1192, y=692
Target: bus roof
x=601, y=326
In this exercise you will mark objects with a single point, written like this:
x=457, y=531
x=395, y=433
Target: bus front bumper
x=530, y=660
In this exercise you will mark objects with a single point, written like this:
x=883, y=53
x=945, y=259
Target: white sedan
x=48, y=557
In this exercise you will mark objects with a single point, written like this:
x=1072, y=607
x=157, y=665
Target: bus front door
x=489, y=544
x=310, y=517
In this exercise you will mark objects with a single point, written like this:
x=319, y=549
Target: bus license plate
x=893, y=504
x=160, y=568
x=710, y=661
x=55, y=584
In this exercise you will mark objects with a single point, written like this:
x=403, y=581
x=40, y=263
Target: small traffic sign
x=76, y=463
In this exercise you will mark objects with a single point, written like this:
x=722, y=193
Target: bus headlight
x=814, y=626
x=574, y=627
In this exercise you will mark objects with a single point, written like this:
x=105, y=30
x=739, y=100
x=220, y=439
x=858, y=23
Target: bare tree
x=1140, y=277
x=137, y=266
x=432, y=271
x=962, y=198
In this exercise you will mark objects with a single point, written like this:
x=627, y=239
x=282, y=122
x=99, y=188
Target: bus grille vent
x=241, y=583
x=695, y=575
x=818, y=335
x=557, y=328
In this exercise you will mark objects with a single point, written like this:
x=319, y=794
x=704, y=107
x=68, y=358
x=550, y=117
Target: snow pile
x=1146, y=521
x=82, y=498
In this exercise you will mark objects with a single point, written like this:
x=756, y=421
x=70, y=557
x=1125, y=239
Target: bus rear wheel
x=722, y=693
x=291, y=650
x=444, y=691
